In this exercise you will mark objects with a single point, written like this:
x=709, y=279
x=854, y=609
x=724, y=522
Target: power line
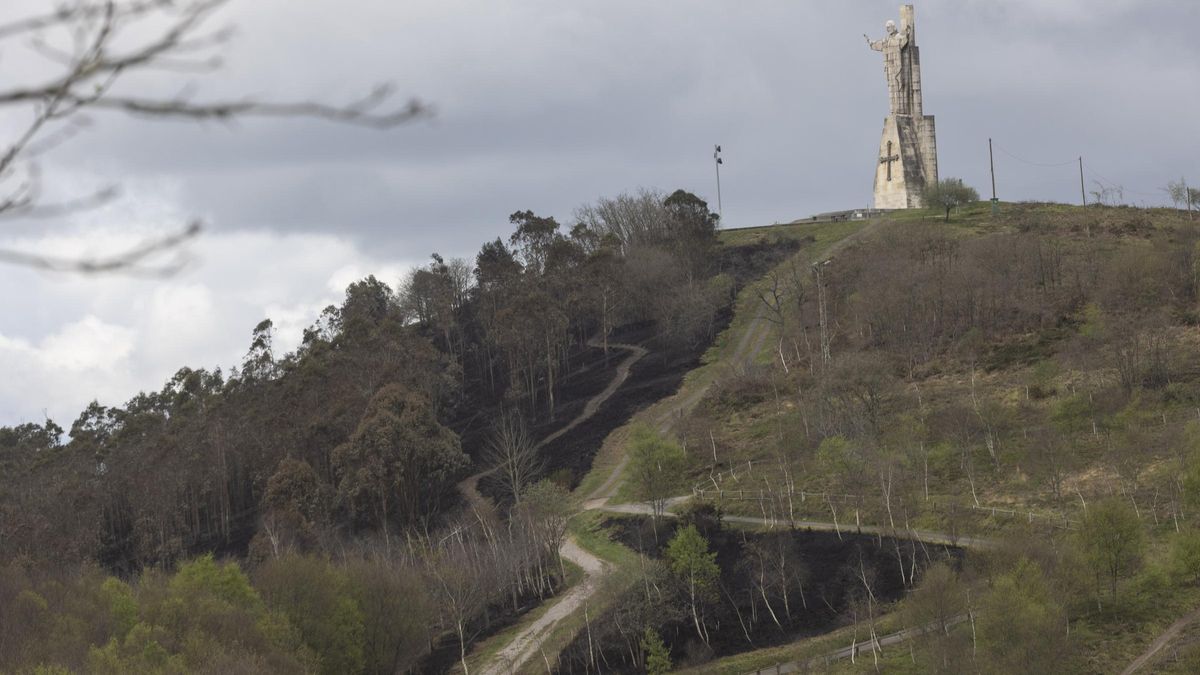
x=1095, y=175
x=1025, y=161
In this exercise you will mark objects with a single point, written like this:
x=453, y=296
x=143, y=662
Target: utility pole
x=992, y=163
x=718, y=163
x=1082, y=193
x=821, y=310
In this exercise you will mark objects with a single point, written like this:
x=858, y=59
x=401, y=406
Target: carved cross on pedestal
x=888, y=159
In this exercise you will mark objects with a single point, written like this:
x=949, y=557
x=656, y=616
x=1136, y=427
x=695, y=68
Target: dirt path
x=929, y=537
x=678, y=411
x=469, y=486
x=1161, y=641
x=526, y=644
x=623, y=369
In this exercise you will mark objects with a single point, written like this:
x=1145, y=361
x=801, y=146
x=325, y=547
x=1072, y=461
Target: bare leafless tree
x=513, y=454
x=773, y=298
x=91, y=47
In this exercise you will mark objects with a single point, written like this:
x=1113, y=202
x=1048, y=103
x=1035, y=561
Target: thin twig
x=129, y=261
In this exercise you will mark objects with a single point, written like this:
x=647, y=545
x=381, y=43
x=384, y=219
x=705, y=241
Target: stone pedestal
x=907, y=162
x=908, y=149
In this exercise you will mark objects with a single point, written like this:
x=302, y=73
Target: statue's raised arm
x=892, y=45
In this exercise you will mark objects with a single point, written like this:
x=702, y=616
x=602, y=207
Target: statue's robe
x=897, y=67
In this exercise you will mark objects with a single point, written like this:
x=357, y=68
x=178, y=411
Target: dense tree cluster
x=353, y=441
x=372, y=610
x=513, y=319
x=357, y=430
x=187, y=469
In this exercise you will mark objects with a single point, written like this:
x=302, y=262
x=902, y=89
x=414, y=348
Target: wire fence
x=780, y=502
x=825, y=498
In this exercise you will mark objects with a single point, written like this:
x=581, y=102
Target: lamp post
x=717, y=162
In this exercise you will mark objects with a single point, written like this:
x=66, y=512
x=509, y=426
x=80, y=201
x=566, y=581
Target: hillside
x=764, y=446
x=1026, y=381
x=1020, y=385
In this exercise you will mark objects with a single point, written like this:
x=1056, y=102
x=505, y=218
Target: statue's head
x=891, y=27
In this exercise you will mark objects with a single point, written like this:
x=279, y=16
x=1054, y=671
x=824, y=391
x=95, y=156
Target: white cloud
x=58, y=374
x=67, y=339
x=88, y=345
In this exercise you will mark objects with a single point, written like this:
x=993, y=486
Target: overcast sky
x=547, y=105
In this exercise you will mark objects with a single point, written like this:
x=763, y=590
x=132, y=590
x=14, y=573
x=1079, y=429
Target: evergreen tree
x=658, y=658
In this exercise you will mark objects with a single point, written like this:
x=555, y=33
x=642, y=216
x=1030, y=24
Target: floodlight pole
x=717, y=163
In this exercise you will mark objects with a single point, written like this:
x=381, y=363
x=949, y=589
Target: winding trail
x=589, y=410
x=469, y=487
x=749, y=344
x=526, y=644
x=1162, y=641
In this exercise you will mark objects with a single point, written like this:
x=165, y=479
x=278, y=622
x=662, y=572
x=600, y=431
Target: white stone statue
x=907, y=160
x=896, y=67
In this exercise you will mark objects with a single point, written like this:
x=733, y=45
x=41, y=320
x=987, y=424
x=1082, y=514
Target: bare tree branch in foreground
x=90, y=48
x=138, y=261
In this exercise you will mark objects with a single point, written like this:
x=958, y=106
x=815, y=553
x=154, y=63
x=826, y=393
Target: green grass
x=798, y=230
x=824, y=235
x=587, y=528
x=603, y=465
x=967, y=215
x=1109, y=638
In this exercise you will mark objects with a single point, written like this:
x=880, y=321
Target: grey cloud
x=545, y=106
